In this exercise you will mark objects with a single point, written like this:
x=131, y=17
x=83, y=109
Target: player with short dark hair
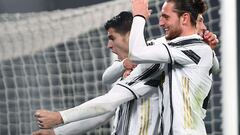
x=138, y=116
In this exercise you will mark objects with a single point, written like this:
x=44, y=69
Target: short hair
x=194, y=7
x=121, y=23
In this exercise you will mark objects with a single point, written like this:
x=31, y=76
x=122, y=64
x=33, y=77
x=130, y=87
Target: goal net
x=55, y=59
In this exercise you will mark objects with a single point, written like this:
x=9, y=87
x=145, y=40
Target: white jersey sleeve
x=139, y=52
x=98, y=106
x=113, y=73
x=82, y=126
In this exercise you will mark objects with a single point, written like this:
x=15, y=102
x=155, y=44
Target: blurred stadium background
x=53, y=54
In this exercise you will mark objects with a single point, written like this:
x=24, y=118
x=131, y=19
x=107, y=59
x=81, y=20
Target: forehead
x=167, y=7
x=111, y=31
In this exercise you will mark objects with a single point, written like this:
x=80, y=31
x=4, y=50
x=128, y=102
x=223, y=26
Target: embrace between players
x=165, y=92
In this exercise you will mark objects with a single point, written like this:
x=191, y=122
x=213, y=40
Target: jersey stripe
x=135, y=96
x=146, y=74
x=170, y=89
x=186, y=42
x=192, y=55
x=145, y=112
x=187, y=107
x=123, y=119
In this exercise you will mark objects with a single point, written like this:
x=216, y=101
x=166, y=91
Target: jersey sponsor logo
x=150, y=43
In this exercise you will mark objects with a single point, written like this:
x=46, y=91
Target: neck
x=123, y=56
x=189, y=31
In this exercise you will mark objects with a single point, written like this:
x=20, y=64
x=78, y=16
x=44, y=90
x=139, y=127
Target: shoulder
x=156, y=41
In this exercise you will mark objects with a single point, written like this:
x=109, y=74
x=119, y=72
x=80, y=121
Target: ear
x=127, y=35
x=185, y=19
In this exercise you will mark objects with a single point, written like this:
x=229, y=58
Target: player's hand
x=128, y=64
x=211, y=39
x=140, y=7
x=127, y=73
x=44, y=132
x=48, y=119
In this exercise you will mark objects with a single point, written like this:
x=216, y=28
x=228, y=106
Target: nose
x=204, y=27
x=161, y=22
x=110, y=45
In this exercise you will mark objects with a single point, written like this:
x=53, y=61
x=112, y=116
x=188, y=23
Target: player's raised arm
x=140, y=8
x=139, y=52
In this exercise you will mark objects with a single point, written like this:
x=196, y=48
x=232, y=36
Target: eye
x=164, y=16
x=110, y=37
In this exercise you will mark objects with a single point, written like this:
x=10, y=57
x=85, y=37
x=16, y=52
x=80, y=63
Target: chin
x=167, y=37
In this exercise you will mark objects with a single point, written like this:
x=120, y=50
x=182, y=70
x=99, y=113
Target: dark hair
x=194, y=7
x=121, y=23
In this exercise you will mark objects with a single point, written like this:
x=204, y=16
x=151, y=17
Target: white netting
x=27, y=33
x=55, y=60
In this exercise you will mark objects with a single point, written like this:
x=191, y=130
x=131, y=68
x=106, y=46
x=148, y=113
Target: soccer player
x=130, y=117
x=189, y=71
x=140, y=116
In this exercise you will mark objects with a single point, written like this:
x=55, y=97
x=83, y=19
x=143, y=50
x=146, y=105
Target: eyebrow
x=110, y=37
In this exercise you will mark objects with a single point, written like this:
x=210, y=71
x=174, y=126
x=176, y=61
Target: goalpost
x=229, y=67
x=55, y=59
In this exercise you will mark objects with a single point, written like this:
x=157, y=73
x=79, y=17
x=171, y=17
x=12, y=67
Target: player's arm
x=212, y=40
x=83, y=126
x=92, y=108
x=116, y=70
x=139, y=52
x=113, y=72
x=77, y=127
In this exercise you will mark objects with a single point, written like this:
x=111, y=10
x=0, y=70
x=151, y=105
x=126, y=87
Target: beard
x=173, y=33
